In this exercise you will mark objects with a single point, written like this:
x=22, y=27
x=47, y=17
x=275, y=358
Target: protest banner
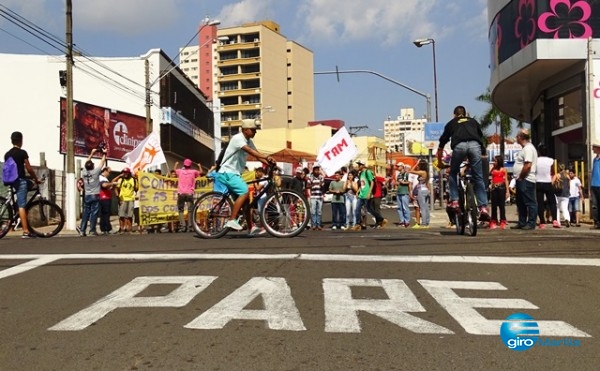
x=338, y=151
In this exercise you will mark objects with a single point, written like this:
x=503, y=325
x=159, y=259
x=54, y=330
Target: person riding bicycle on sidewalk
x=21, y=185
x=466, y=136
x=234, y=161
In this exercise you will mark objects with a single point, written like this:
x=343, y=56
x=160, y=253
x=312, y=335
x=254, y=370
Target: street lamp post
x=149, y=85
x=419, y=43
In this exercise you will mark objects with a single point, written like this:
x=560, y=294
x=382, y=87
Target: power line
x=39, y=29
x=24, y=41
x=16, y=23
x=24, y=23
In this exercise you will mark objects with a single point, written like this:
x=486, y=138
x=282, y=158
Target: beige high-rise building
x=260, y=74
x=405, y=127
x=189, y=57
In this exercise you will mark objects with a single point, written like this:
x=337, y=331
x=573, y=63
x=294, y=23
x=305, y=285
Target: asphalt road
x=331, y=300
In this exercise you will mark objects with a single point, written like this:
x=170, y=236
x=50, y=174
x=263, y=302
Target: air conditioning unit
x=255, y=40
x=246, y=102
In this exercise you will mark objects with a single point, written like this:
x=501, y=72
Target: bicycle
x=45, y=218
x=466, y=217
x=285, y=212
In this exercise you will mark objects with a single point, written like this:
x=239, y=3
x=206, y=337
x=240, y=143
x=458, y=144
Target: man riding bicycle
x=234, y=161
x=466, y=143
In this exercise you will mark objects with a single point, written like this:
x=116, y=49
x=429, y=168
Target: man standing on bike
x=466, y=143
x=234, y=161
x=21, y=158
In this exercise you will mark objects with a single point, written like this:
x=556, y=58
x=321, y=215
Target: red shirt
x=378, y=192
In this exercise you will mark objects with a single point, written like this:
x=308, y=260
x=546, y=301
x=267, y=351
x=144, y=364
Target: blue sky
x=372, y=35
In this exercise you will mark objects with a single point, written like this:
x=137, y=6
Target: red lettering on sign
x=337, y=149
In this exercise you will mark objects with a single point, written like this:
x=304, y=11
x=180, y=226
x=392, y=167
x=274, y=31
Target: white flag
x=148, y=153
x=338, y=151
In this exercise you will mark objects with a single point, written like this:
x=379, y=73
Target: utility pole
x=70, y=191
x=148, y=98
x=355, y=129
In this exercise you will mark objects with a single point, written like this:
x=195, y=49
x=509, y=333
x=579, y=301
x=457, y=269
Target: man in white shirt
x=525, y=169
x=544, y=190
x=575, y=196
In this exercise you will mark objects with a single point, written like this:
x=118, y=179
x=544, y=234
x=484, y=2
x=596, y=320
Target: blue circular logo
x=519, y=332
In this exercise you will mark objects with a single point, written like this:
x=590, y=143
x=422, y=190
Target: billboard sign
x=94, y=126
x=433, y=132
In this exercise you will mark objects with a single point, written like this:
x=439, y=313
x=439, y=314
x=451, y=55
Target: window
x=567, y=109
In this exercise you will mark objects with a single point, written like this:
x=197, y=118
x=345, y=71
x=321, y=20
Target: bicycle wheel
x=285, y=214
x=472, y=215
x=6, y=217
x=45, y=218
x=211, y=211
x=459, y=219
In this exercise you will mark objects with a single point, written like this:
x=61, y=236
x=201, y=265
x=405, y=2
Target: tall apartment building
x=253, y=71
x=189, y=62
x=404, y=127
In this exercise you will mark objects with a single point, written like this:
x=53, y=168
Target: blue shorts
x=233, y=182
x=573, y=204
x=21, y=186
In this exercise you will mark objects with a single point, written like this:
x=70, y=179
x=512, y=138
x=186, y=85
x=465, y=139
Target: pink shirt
x=186, y=180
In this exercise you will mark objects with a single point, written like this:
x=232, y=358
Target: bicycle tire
x=471, y=215
x=6, y=217
x=459, y=214
x=285, y=214
x=45, y=218
x=211, y=212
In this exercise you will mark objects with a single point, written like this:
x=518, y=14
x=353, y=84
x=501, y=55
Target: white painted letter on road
x=463, y=309
x=125, y=297
x=341, y=310
x=280, y=311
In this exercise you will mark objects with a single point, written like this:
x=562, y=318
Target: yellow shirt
x=127, y=189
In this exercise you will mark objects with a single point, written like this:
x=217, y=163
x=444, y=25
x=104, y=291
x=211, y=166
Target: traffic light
x=62, y=77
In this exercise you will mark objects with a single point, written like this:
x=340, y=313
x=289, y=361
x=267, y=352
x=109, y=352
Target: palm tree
x=494, y=116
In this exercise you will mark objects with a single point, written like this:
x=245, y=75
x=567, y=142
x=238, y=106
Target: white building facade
x=545, y=70
x=31, y=94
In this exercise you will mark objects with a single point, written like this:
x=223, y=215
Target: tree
x=494, y=116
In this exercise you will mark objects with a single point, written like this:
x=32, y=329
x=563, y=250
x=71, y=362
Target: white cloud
x=126, y=17
x=351, y=20
x=248, y=11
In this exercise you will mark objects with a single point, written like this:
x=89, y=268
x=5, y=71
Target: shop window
x=567, y=109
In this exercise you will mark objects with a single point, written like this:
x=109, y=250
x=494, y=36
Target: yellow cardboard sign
x=158, y=196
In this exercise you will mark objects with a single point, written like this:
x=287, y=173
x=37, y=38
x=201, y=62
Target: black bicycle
x=285, y=212
x=44, y=218
x=467, y=215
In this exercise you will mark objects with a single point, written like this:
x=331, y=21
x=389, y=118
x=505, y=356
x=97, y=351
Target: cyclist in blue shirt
x=234, y=161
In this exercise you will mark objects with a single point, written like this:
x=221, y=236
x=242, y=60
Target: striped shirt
x=315, y=184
